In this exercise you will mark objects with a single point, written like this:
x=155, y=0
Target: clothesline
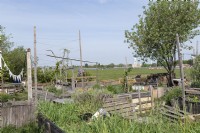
x=13, y=76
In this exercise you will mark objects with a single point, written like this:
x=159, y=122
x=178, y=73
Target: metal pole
x=181, y=70
x=35, y=64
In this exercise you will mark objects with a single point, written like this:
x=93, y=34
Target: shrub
x=174, y=93
x=115, y=89
x=5, y=97
x=54, y=90
x=195, y=84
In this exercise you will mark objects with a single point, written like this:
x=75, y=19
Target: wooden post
x=29, y=75
x=151, y=91
x=73, y=83
x=181, y=70
x=97, y=82
x=139, y=98
x=35, y=65
x=81, y=59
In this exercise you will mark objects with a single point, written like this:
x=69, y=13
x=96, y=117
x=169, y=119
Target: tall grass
x=68, y=118
x=29, y=128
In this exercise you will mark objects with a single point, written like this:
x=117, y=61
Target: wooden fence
x=16, y=114
x=47, y=125
x=143, y=100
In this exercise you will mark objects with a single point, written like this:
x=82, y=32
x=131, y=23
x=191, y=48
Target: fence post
x=49, y=127
x=139, y=96
x=151, y=91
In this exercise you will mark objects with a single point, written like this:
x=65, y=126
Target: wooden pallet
x=174, y=114
x=120, y=106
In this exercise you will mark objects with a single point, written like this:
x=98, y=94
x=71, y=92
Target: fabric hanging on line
x=14, y=77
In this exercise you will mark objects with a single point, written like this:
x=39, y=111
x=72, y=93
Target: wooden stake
x=29, y=75
x=81, y=59
x=181, y=70
x=35, y=65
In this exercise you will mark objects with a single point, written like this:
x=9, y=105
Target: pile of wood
x=174, y=114
x=121, y=106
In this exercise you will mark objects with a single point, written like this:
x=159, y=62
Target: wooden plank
x=118, y=107
x=181, y=111
x=170, y=115
x=115, y=104
x=173, y=112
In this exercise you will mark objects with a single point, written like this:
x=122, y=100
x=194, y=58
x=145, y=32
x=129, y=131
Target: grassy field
x=117, y=73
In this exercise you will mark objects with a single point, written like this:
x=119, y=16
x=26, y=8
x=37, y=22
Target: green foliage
x=195, y=71
x=125, y=83
x=174, y=93
x=154, y=36
x=16, y=60
x=5, y=43
x=195, y=84
x=96, y=86
x=115, y=89
x=4, y=97
x=45, y=75
x=54, y=90
x=67, y=118
x=29, y=128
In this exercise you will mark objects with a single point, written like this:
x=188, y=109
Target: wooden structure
x=16, y=114
x=175, y=114
x=129, y=104
x=11, y=88
x=121, y=106
x=49, y=127
x=192, y=100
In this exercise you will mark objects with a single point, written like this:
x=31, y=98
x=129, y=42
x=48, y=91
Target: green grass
x=67, y=118
x=117, y=73
x=29, y=128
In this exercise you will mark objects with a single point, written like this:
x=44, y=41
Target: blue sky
x=102, y=24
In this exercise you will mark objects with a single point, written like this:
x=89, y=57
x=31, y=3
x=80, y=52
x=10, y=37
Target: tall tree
x=5, y=43
x=16, y=60
x=154, y=36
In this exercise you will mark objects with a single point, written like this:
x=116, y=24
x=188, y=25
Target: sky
x=102, y=24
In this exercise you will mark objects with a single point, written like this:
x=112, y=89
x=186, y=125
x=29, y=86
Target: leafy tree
x=154, y=36
x=5, y=43
x=16, y=59
x=195, y=71
x=86, y=65
x=111, y=65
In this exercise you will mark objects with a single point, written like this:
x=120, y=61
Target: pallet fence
x=16, y=113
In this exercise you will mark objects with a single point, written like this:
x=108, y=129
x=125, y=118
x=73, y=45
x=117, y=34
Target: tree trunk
x=170, y=77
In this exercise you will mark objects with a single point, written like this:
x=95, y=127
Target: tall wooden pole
x=1, y=71
x=81, y=59
x=29, y=75
x=97, y=75
x=197, y=49
x=181, y=69
x=35, y=64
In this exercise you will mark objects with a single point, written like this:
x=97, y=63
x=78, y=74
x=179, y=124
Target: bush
x=174, y=93
x=5, y=97
x=54, y=90
x=115, y=89
x=195, y=84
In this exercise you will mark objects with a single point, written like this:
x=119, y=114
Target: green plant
x=115, y=89
x=174, y=93
x=4, y=97
x=54, y=90
x=29, y=128
x=195, y=84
